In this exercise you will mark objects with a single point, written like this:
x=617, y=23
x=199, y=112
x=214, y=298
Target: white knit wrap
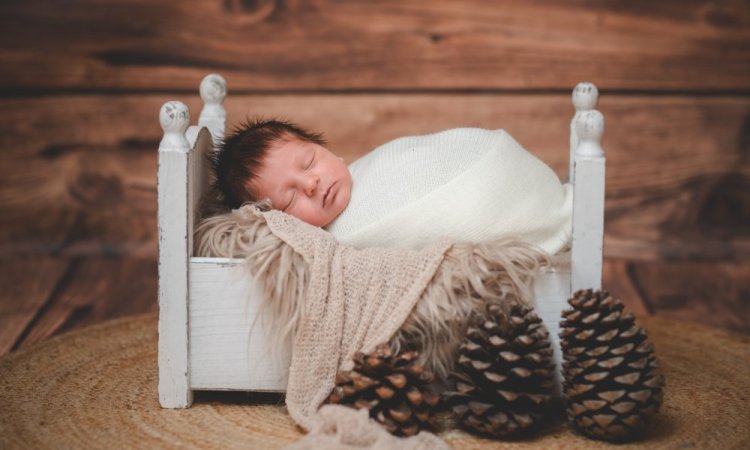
x=464, y=184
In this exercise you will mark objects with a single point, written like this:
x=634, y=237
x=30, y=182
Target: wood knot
x=435, y=37
x=251, y=10
x=720, y=18
x=723, y=206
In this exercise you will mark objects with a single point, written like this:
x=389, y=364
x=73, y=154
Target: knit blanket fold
x=355, y=300
x=465, y=184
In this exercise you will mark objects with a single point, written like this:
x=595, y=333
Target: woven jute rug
x=96, y=388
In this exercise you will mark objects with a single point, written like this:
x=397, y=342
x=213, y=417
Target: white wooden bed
x=206, y=337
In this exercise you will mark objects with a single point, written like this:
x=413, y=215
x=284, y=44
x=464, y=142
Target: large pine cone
x=394, y=388
x=611, y=385
x=505, y=372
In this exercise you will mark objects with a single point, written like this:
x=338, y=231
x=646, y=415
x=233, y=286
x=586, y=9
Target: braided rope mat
x=96, y=388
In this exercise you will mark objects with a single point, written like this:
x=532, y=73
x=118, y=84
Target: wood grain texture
x=27, y=284
x=716, y=294
x=78, y=176
x=96, y=289
x=362, y=45
x=678, y=168
x=619, y=279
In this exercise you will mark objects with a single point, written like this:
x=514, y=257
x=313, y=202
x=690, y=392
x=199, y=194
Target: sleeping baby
x=466, y=184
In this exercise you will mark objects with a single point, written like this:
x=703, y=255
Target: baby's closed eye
x=289, y=203
x=312, y=160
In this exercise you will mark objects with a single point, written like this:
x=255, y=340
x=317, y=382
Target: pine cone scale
x=623, y=407
x=385, y=392
x=611, y=396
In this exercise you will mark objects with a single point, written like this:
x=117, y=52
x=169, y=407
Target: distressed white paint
x=551, y=292
x=213, y=90
x=588, y=203
x=227, y=347
x=585, y=98
x=173, y=232
x=192, y=134
x=208, y=334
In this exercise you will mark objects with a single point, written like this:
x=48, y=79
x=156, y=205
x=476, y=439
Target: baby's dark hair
x=240, y=156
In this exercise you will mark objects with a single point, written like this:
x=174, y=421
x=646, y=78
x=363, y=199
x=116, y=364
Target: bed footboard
x=581, y=268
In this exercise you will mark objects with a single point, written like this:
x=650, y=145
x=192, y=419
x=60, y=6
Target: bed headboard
x=181, y=183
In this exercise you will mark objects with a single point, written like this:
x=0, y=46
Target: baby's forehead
x=289, y=147
x=282, y=155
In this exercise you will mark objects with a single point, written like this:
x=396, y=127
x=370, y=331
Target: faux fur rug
x=335, y=300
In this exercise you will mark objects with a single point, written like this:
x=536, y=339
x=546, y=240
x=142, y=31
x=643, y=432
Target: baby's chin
x=335, y=216
x=324, y=220
x=345, y=196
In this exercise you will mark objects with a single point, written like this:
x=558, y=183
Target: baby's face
x=305, y=180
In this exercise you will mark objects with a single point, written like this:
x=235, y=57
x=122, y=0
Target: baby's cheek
x=346, y=196
x=311, y=214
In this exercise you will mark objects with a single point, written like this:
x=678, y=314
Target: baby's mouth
x=328, y=193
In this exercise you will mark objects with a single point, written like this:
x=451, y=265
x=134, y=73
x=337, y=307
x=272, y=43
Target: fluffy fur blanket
x=335, y=300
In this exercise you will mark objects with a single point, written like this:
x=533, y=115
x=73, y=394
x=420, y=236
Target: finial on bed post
x=173, y=241
x=590, y=128
x=213, y=116
x=585, y=98
x=174, y=118
x=588, y=203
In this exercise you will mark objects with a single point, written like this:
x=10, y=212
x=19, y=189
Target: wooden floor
x=81, y=88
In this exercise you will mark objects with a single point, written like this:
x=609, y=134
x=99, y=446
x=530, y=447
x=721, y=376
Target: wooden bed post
x=588, y=203
x=213, y=116
x=174, y=253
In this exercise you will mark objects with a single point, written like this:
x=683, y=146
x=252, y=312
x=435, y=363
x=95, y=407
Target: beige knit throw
x=343, y=428
x=353, y=300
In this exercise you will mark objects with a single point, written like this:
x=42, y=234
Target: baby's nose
x=312, y=185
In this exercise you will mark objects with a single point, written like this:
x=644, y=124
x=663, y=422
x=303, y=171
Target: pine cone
x=394, y=388
x=611, y=386
x=505, y=372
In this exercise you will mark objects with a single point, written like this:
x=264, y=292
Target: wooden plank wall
x=82, y=82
